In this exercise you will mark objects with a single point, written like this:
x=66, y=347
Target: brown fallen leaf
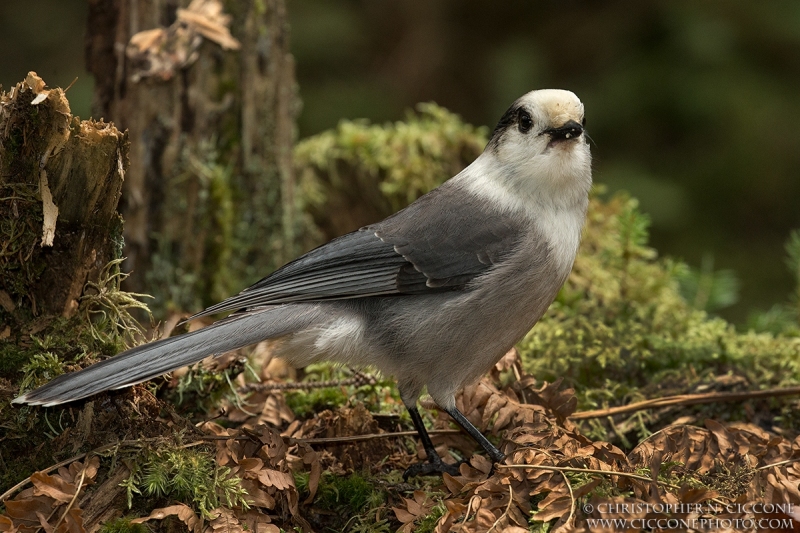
x=72, y=522
x=53, y=486
x=724, y=439
x=226, y=521
x=412, y=509
x=183, y=512
x=275, y=478
x=311, y=459
x=256, y=496
x=6, y=525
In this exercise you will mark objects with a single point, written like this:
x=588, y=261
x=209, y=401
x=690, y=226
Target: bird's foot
x=435, y=466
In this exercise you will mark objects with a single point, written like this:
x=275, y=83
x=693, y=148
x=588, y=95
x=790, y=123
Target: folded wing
x=441, y=242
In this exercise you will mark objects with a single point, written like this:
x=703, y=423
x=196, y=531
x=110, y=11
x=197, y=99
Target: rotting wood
x=61, y=178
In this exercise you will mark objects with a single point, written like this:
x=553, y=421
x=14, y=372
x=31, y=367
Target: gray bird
x=434, y=295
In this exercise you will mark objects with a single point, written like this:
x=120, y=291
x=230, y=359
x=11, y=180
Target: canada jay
x=434, y=295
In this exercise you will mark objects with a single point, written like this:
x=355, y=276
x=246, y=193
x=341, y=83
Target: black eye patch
x=524, y=121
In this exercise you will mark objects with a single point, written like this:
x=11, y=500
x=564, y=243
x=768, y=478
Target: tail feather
x=156, y=358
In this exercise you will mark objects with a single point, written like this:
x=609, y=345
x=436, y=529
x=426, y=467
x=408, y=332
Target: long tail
x=156, y=358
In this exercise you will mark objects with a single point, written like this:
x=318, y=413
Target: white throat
x=551, y=191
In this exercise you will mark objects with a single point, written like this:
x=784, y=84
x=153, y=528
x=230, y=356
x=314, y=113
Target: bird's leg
x=435, y=463
x=495, y=454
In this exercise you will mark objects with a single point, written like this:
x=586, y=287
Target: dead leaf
x=414, y=508
x=275, y=478
x=403, y=515
x=44, y=524
x=251, y=464
x=225, y=521
x=504, y=416
x=6, y=525
x=481, y=463
x=161, y=52
x=207, y=18
x=24, y=508
x=311, y=459
x=53, y=486
x=555, y=505
x=724, y=439
x=72, y=522
x=257, y=496
x=183, y=512
x=6, y=302
x=493, y=405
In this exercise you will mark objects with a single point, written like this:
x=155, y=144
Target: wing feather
x=440, y=242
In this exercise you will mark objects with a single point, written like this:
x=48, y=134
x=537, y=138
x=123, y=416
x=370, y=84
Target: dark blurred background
x=691, y=105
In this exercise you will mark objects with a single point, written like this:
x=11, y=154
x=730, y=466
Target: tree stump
x=60, y=181
x=208, y=200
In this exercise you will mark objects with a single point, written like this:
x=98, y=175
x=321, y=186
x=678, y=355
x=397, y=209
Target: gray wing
x=440, y=242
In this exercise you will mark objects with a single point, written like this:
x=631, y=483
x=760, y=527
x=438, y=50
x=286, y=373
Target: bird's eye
x=583, y=122
x=525, y=121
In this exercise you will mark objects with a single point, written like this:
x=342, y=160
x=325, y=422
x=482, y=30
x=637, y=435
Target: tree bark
x=208, y=200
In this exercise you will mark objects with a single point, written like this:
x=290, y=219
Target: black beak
x=570, y=130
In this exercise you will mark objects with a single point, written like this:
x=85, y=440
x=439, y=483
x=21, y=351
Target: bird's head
x=539, y=146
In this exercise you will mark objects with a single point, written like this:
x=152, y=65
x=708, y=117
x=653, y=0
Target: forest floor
x=331, y=459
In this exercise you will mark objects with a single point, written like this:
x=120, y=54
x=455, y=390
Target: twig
x=327, y=440
x=469, y=510
x=779, y=463
x=585, y=471
x=686, y=399
x=237, y=400
x=338, y=440
x=358, y=380
x=508, y=507
x=371, y=436
x=595, y=471
x=97, y=451
x=572, y=501
x=75, y=497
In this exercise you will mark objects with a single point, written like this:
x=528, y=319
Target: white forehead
x=556, y=105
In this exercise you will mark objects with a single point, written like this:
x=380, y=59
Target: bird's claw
x=437, y=466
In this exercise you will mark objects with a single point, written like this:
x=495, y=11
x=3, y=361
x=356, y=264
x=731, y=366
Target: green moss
x=360, y=172
x=358, y=502
x=303, y=403
x=195, y=274
x=188, y=475
x=65, y=343
x=12, y=359
x=101, y=328
x=107, y=310
x=352, y=493
x=783, y=318
x=123, y=525
x=28, y=446
x=200, y=390
x=20, y=233
x=378, y=396
x=428, y=523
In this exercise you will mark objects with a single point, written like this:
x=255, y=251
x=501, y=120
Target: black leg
x=435, y=463
x=495, y=454
x=419, y=425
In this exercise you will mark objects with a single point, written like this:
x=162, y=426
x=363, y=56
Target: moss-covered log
x=360, y=173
